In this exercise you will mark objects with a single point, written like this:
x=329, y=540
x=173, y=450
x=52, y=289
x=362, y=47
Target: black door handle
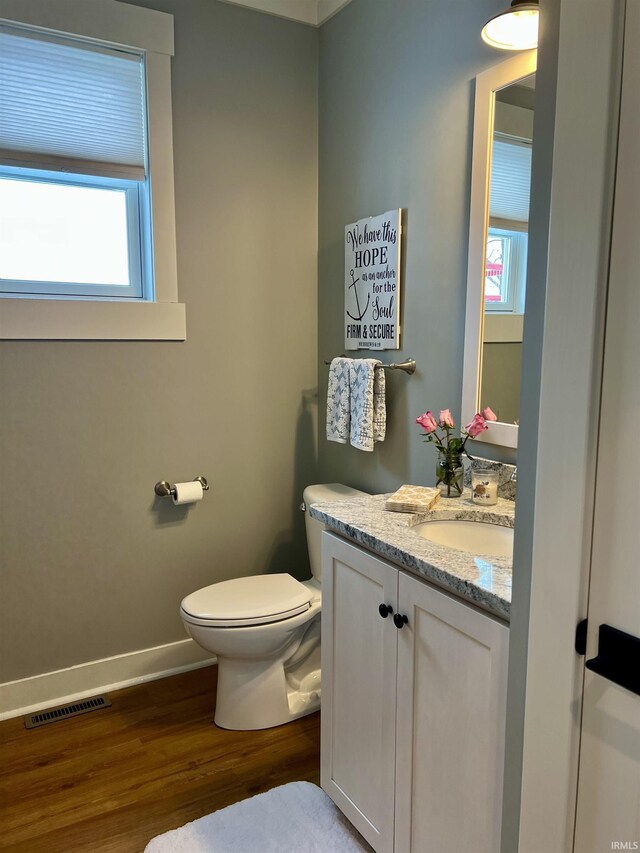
x=400, y=620
x=385, y=610
x=618, y=658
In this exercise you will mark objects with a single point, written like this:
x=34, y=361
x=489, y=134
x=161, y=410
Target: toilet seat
x=255, y=600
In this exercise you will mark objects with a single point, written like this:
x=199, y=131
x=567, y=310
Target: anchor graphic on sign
x=354, y=281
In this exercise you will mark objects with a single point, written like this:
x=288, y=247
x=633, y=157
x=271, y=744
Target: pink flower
x=488, y=414
x=427, y=422
x=476, y=426
x=446, y=419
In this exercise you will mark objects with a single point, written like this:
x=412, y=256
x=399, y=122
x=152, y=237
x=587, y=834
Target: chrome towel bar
x=409, y=366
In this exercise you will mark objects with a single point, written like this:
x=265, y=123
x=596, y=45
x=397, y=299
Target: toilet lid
x=254, y=600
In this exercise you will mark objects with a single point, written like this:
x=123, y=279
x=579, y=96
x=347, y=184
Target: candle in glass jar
x=484, y=486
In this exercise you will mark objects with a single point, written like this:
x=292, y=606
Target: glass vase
x=449, y=474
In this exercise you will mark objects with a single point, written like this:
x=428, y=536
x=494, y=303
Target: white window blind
x=510, y=179
x=69, y=105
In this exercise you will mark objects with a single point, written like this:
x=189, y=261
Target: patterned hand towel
x=368, y=410
x=379, y=404
x=339, y=400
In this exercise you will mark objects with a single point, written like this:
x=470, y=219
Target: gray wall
x=501, y=367
x=91, y=565
x=396, y=120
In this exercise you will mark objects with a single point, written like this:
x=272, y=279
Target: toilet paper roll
x=188, y=493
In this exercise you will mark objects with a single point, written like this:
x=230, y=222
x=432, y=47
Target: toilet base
x=260, y=694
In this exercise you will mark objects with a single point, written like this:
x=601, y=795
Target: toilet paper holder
x=163, y=489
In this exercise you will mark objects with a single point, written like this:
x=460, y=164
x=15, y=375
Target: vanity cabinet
x=413, y=711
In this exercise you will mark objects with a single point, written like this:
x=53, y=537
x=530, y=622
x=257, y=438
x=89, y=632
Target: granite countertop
x=484, y=581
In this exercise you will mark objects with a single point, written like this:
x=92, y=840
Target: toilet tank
x=315, y=494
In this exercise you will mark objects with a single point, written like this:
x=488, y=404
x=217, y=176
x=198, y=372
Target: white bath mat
x=294, y=818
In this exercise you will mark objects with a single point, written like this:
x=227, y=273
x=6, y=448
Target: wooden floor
x=112, y=779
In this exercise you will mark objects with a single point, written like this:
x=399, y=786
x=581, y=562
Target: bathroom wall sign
x=372, y=282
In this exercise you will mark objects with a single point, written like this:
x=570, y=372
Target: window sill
x=76, y=320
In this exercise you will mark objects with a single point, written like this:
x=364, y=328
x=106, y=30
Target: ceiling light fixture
x=514, y=29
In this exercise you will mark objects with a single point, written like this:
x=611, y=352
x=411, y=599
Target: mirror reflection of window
x=506, y=270
x=506, y=248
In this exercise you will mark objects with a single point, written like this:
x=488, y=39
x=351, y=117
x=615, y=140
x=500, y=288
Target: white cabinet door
x=452, y=678
x=359, y=688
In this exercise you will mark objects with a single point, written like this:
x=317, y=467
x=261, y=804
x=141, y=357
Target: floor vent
x=74, y=709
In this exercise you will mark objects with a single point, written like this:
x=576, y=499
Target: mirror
x=498, y=236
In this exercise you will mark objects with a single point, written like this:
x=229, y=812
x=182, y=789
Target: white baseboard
x=98, y=676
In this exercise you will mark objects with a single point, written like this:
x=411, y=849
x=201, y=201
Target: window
x=505, y=270
x=85, y=109
x=73, y=182
x=69, y=237
x=506, y=258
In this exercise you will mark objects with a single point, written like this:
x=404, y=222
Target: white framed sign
x=372, y=282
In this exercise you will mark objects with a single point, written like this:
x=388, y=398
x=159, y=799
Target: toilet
x=265, y=632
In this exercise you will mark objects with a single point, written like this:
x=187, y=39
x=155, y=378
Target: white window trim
x=69, y=319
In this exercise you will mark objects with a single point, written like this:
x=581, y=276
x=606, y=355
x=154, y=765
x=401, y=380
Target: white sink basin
x=476, y=537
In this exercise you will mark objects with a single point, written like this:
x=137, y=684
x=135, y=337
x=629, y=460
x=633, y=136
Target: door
x=608, y=809
x=452, y=686
x=359, y=688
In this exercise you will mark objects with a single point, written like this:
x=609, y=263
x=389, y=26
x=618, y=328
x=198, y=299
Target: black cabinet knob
x=400, y=620
x=385, y=610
